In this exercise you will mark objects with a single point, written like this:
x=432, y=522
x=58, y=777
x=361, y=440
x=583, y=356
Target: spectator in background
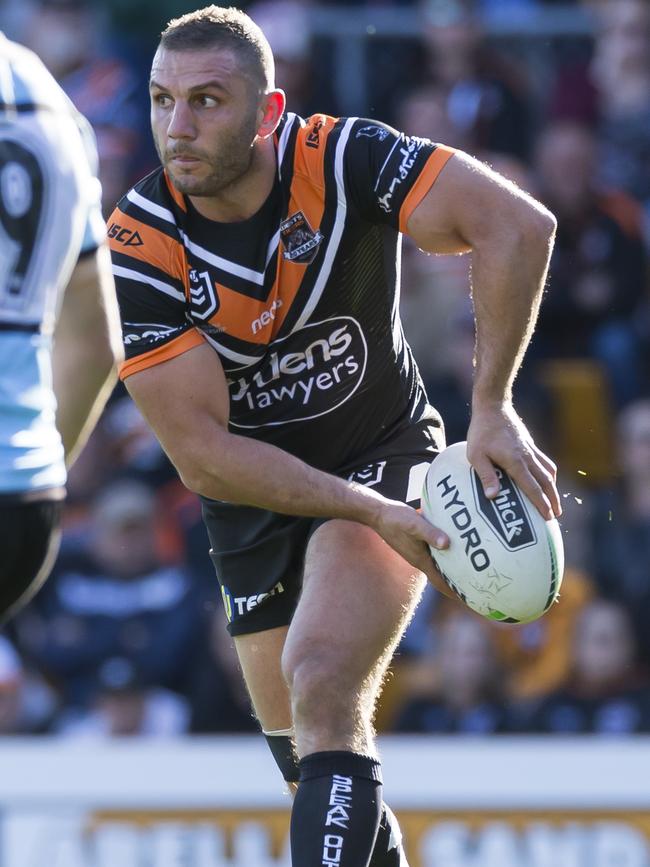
x=621, y=74
x=606, y=692
x=219, y=700
x=114, y=599
x=437, y=283
x=286, y=26
x=133, y=452
x=11, y=675
x=610, y=92
x=486, y=100
x=125, y=706
x=598, y=271
x=621, y=524
x=70, y=37
x=449, y=385
x=27, y=705
x=537, y=656
x=92, y=470
x=451, y=388
x=463, y=695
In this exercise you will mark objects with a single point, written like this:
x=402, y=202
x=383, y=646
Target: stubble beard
x=227, y=165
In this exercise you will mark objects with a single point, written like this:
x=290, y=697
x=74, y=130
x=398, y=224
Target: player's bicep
x=466, y=205
x=186, y=402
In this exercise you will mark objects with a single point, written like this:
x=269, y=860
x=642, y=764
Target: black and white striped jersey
x=301, y=301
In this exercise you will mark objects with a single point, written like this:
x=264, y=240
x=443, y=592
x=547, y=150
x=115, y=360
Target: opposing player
x=257, y=275
x=51, y=236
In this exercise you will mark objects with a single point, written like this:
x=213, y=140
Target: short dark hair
x=216, y=26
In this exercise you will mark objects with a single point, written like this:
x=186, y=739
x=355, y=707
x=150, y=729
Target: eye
x=162, y=99
x=206, y=101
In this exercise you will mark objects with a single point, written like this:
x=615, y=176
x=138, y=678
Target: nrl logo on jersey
x=300, y=241
x=204, y=301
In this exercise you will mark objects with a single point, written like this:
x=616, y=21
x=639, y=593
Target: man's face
x=205, y=113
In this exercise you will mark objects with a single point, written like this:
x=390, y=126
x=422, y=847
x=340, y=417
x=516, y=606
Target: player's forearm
x=82, y=387
x=508, y=276
x=254, y=473
x=87, y=348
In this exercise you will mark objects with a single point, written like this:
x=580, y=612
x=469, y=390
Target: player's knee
x=318, y=687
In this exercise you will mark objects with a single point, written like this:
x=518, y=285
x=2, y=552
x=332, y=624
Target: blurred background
x=127, y=636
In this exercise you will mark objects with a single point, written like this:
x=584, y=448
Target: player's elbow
x=536, y=226
x=201, y=481
x=198, y=472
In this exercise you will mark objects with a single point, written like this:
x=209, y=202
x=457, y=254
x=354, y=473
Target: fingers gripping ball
x=504, y=560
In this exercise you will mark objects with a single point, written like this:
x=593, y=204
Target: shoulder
x=27, y=80
x=317, y=136
x=150, y=196
x=148, y=211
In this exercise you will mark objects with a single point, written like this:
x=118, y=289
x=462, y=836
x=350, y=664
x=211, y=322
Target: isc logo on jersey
x=128, y=237
x=305, y=375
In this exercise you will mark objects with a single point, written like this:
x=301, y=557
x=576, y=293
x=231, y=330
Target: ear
x=271, y=110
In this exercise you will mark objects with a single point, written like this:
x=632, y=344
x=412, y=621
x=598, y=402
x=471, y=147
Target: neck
x=245, y=196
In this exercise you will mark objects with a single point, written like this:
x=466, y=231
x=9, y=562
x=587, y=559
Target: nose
x=181, y=123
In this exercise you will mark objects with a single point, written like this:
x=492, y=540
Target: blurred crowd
x=127, y=636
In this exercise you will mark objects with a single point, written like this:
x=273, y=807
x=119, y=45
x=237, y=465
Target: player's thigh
x=358, y=596
x=260, y=656
x=258, y=559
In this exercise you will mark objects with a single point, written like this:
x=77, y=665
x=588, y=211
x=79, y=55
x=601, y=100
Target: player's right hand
x=410, y=534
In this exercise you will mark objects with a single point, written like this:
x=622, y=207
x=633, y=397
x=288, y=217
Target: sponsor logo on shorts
x=377, y=132
x=506, y=514
x=300, y=241
x=369, y=475
x=408, y=152
x=305, y=375
x=236, y=606
x=226, y=595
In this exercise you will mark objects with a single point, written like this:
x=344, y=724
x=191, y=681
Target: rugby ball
x=504, y=560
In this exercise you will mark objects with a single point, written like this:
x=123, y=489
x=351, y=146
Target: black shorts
x=29, y=540
x=258, y=555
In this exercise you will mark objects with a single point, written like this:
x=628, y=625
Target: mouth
x=183, y=160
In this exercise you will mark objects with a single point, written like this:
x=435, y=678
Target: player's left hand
x=498, y=437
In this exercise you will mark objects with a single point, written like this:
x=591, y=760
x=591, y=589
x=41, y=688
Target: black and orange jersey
x=301, y=301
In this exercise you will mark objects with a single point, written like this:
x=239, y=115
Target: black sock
x=388, y=851
x=336, y=811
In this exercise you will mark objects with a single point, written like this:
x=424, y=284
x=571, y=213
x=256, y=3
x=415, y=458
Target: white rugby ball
x=504, y=560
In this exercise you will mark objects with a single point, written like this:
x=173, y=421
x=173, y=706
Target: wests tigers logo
x=300, y=241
